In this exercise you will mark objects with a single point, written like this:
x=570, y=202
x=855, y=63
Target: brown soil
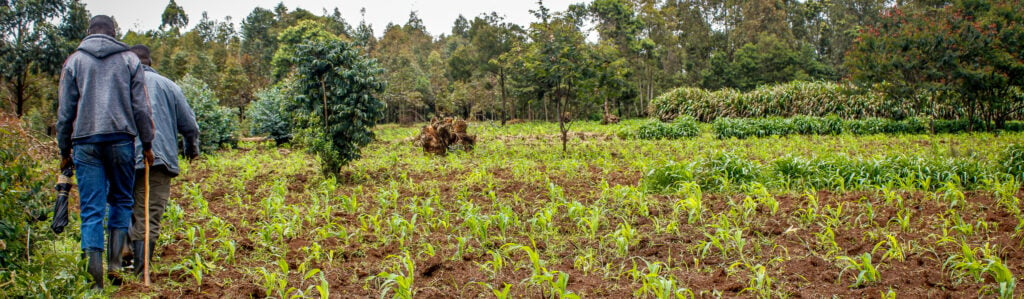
x=796, y=262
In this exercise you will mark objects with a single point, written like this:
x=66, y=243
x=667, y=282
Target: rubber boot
x=95, y=268
x=128, y=256
x=139, y=250
x=139, y=255
x=118, y=238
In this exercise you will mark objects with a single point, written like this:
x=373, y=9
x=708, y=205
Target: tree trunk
x=560, y=95
x=19, y=94
x=504, y=98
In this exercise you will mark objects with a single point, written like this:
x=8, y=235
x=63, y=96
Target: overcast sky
x=437, y=15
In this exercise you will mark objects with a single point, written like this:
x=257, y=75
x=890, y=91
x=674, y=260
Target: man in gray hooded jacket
x=103, y=108
x=171, y=116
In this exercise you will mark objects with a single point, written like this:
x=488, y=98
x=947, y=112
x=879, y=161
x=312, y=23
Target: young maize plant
x=826, y=242
x=400, y=278
x=502, y=293
x=892, y=247
x=760, y=282
x=866, y=271
x=691, y=201
x=624, y=237
x=1005, y=281
x=809, y=213
x=557, y=282
x=902, y=219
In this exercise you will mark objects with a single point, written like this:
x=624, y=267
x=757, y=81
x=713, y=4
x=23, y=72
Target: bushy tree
x=771, y=60
x=968, y=55
x=216, y=126
x=337, y=87
x=289, y=39
x=31, y=44
x=270, y=113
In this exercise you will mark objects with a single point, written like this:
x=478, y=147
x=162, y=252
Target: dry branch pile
x=609, y=119
x=443, y=134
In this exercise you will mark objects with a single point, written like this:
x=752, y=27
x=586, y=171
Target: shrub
x=216, y=125
x=24, y=199
x=667, y=178
x=270, y=113
x=681, y=128
x=338, y=84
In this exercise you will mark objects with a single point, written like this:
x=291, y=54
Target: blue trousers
x=106, y=176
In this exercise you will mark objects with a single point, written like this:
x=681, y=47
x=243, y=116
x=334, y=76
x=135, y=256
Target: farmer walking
x=171, y=116
x=103, y=109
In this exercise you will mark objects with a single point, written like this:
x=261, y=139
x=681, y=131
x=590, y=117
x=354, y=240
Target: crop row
x=803, y=125
x=839, y=172
x=785, y=100
x=832, y=125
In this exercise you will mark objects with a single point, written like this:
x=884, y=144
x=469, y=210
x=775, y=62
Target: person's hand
x=191, y=149
x=66, y=162
x=147, y=156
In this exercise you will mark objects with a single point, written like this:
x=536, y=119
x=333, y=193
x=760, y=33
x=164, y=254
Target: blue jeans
x=106, y=175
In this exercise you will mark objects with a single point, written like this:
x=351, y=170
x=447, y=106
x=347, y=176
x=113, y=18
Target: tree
x=258, y=47
x=291, y=38
x=30, y=44
x=967, y=58
x=215, y=121
x=173, y=17
x=338, y=87
x=270, y=114
x=769, y=61
x=560, y=59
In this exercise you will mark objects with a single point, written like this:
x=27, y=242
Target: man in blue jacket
x=103, y=108
x=171, y=116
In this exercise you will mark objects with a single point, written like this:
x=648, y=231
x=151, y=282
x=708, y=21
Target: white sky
x=438, y=15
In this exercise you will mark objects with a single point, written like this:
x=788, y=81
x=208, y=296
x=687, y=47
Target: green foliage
x=25, y=198
x=781, y=100
x=1012, y=161
x=338, y=87
x=270, y=114
x=680, y=128
x=289, y=40
x=216, y=125
x=668, y=178
x=30, y=45
x=802, y=125
x=962, y=60
x=173, y=17
x=771, y=60
x=726, y=171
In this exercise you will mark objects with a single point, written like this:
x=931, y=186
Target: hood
x=101, y=45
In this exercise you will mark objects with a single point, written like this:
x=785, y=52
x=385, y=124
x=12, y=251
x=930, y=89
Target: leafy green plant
x=270, y=114
x=667, y=178
x=400, y=277
x=680, y=128
x=866, y=271
x=217, y=123
x=338, y=87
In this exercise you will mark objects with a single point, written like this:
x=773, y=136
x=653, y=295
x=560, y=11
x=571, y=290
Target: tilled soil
x=796, y=262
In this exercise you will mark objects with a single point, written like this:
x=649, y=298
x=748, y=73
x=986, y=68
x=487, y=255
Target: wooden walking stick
x=146, y=250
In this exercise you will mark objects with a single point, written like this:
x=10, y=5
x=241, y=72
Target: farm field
x=935, y=216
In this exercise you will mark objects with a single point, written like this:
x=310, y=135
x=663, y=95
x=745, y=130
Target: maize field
x=818, y=215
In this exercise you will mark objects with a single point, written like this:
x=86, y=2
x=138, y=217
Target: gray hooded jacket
x=171, y=116
x=102, y=92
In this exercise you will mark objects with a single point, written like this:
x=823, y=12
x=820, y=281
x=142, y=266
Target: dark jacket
x=171, y=116
x=102, y=92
